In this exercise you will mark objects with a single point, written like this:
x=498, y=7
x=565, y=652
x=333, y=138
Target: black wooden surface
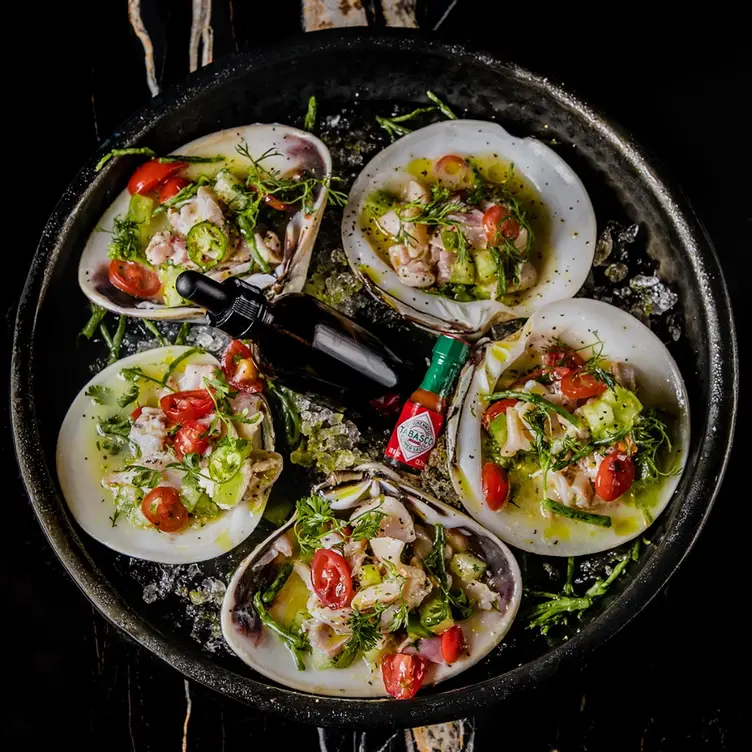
x=673, y=679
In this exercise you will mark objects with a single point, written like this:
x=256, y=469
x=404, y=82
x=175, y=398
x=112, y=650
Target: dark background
x=672, y=679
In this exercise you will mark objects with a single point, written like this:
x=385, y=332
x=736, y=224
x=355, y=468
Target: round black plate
x=344, y=69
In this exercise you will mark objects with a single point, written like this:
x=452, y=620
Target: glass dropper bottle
x=302, y=342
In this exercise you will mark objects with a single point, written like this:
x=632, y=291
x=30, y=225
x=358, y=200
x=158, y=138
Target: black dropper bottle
x=302, y=342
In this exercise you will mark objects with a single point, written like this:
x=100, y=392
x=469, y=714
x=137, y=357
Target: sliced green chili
x=206, y=244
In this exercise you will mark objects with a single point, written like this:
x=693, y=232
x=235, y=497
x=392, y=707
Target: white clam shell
x=573, y=228
x=576, y=323
x=483, y=631
x=296, y=148
x=79, y=474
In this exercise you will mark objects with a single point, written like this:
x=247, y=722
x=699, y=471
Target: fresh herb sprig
x=365, y=633
x=435, y=564
x=556, y=608
x=99, y=394
x=650, y=435
x=114, y=431
x=316, y=519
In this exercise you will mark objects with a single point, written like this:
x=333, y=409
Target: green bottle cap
x=449, y=353
x=450, y=348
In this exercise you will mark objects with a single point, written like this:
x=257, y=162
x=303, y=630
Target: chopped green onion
x=185, y=327
x=144, y=150
x=152, y=327
x=117, y=340
x=310, y=118
x=536, y=399
x=191, y=159
x=175, y=363
x=97, y=315
x=106, y=336
x=443, y=108
x=277, y=583
x=601, y=520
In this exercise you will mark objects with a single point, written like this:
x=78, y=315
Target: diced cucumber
x=498, y=429
x=485, y=267
x=599, y=417
x=415, y=628
x=319, y=661
x=168, y=274
x=463, y=272
x=139, y=210
x=435, y=615
x=615, y=411
x=205, y=507
x=485, y=292
x=467, y=567
x=230, y=189
x=624, y=403
x=369, y=575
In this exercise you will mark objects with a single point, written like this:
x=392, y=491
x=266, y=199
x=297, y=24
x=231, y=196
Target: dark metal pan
x=355, y=71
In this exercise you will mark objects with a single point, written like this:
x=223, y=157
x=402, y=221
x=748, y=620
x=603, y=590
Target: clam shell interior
x=576, y=323
x=565, y=263
x=295, y=149
x=79, y=473
x=483, y=631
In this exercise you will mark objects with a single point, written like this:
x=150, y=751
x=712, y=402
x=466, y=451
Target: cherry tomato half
x=615, y=476
x=403, y=674
x=497, y=408
x=495, y=483
x=171, y=187
x=150, y=175
x=494, y=222
x=182, y=406
x=452, y=643
x=134, y=278
x=331, y=578
x=581, y=385
x=239, y=368
x=191, y=438
x=451, y=165
x=163, y=508
x=563, y=356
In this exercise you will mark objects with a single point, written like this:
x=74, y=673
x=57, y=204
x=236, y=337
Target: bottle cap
x=450, y=348
x=234, y=306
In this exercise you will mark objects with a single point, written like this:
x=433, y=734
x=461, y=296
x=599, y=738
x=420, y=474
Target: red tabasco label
x=414, y=435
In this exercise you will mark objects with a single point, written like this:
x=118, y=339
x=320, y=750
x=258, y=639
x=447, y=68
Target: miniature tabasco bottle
x=422, y=417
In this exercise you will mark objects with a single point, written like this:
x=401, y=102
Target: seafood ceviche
x=571, y=433
x=454, y=231
x=236, y=204
x=377, y=588
x=175, y=439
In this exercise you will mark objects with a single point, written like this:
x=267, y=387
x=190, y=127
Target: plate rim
x=703, y=480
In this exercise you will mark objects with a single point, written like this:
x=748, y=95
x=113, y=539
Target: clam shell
x=576, y=323
x=264, y=651
x=79, y=474
x=573, y=229
x=297, y=149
